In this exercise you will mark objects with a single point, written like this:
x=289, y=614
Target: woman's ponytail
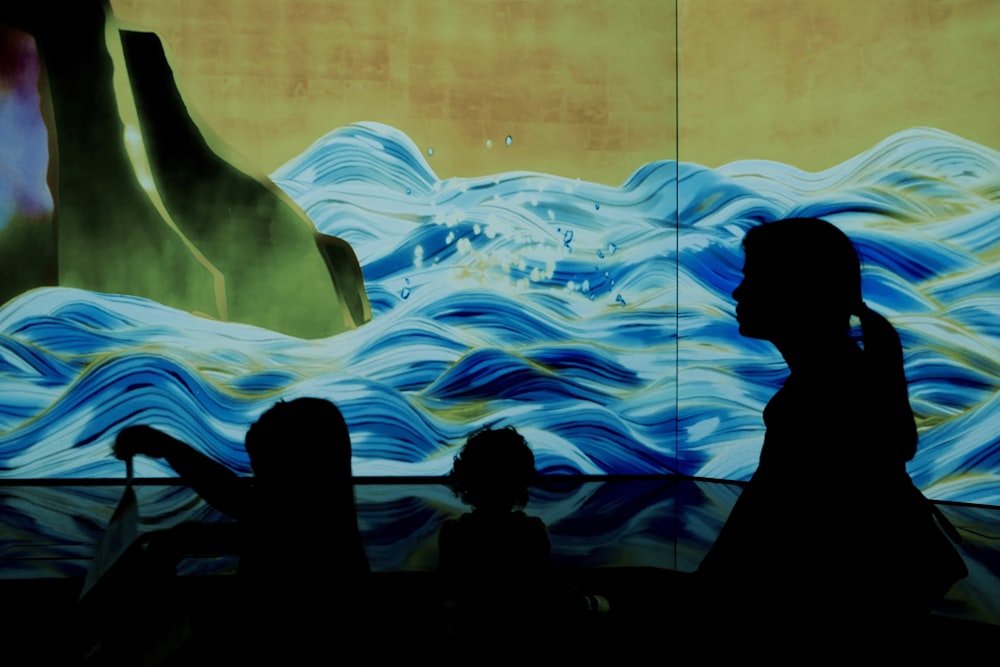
x=884, y=359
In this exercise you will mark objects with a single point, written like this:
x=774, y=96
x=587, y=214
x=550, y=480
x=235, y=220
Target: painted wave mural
x=543, y=302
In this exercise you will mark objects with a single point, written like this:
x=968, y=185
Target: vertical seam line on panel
x=677, y=279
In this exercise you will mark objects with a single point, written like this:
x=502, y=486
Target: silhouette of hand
x=141, y=440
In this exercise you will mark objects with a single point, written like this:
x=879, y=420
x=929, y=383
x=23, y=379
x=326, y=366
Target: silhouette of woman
x=830, y=533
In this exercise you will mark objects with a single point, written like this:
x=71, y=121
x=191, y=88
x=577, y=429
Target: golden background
x=585, y=88
x=813, y=83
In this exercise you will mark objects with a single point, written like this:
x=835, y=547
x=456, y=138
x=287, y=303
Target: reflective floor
x=50, y=531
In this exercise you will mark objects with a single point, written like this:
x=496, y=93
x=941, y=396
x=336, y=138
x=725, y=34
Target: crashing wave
x=598, y=320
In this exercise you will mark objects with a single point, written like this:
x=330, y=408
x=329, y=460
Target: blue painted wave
x=546, y=303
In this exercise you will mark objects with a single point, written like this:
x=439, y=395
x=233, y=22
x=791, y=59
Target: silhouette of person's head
x=300, y=439
x=801, y=284
x=800, y=276
x=494, y=470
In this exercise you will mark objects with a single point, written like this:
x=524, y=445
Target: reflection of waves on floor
x=546, y=303
x=662, y=524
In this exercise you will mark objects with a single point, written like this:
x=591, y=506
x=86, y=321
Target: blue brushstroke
x=543, y=302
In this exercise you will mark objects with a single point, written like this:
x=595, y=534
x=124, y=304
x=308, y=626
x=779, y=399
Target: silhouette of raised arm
x=218, y=485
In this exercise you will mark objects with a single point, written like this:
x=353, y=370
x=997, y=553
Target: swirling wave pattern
x=543, y=302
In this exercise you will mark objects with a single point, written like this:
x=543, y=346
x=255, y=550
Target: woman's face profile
x=759, y=309
x=801, y=280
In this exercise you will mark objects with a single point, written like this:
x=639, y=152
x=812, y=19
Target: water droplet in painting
x=489, y=143
x=620, y=299
x=597, y=207
x=509, y=140
x=568, y=237
x=600, y=253
x=404, y=293
x=430, y=151
x=612, y=248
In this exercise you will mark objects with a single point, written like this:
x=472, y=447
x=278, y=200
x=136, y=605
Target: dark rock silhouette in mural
x=148, y=203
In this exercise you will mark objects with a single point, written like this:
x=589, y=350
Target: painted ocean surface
x=547, y=303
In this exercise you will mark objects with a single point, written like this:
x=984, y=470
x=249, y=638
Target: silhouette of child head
x=303, y=438
x=494, y=470
x=798, y=273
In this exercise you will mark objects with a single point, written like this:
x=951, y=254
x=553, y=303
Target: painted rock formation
x=148, y=203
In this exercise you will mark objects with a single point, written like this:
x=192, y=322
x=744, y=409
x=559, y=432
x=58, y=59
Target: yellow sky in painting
x=585, y=88
x=812, y=83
